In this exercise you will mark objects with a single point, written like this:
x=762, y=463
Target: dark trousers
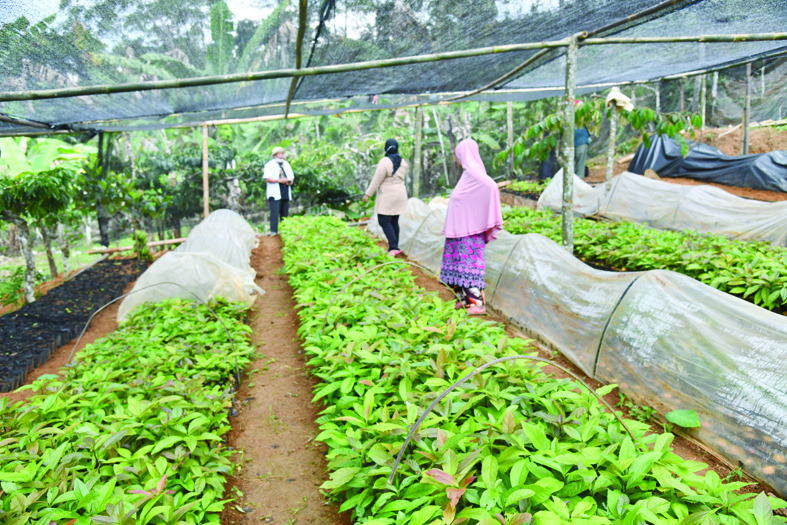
x=280, y=208
x=390, y=226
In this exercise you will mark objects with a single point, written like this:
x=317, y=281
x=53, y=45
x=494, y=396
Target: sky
x=34, y=10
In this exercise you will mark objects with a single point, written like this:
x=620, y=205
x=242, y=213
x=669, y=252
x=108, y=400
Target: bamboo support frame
x=205, y=182
x=304, y=4
x=419, y=121
x=568, y=145
x=613, y=135
x=746, y=111
x=106, y=89
x=510, y=137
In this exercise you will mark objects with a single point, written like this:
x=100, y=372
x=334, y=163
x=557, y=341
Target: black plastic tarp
x=766, y=171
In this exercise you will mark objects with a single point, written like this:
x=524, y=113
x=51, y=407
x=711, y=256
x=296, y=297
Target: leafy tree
x=35, y=185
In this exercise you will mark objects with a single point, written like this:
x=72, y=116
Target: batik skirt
x=464, y=262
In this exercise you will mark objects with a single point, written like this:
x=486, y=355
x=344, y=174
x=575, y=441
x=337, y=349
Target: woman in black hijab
x=388, y=182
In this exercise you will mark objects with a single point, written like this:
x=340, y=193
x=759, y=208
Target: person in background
x=388, y=182
x=279, y=177
x=581, y=141
x=471, y=222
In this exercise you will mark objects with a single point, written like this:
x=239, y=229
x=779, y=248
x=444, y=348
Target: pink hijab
x=474, y=205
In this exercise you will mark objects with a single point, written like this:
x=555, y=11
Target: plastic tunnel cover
x=673, y=207
x=668, y=340
x=212, y=262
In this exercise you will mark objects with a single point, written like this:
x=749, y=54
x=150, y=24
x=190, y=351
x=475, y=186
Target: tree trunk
x=64, y=249
x=48, y=248
x=13, y=242
x=30, y=263
x=88, y=223
x=442, y=145
x=682, y=97
x=176, y=227
x=695, y=96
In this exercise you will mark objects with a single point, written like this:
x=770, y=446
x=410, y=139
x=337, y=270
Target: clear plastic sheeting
x=670, y=342
x=212, y=262
x=670, y=206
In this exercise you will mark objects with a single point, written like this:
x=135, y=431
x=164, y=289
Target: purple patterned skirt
x=464, y=261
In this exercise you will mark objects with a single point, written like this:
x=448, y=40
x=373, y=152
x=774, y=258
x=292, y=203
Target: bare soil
x=761, y=140
x=282, y=467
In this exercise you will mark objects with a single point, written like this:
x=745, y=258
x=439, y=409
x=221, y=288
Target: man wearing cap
x=279, y=177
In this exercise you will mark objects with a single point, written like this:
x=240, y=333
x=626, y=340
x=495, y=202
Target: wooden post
x=419, y=120
x=747, y=110
x=510, y=123
x=205, y=184
x=568, y=145
x=703, y=99
x=613, y=134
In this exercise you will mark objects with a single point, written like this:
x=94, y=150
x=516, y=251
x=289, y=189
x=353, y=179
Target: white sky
x=34, y=10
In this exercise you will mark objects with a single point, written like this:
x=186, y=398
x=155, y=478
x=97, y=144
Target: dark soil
x=31, y=333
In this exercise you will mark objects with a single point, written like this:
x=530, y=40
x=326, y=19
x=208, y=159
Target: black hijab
x=392, y=152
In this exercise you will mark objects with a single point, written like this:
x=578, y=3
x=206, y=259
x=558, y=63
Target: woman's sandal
x=476, y=310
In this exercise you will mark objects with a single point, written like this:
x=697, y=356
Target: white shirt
x=273, y=171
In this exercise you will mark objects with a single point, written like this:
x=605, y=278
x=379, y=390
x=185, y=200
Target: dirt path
x=283, y=467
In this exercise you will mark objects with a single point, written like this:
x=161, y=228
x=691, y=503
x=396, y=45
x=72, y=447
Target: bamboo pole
x=568, y=145
x=205, y=183
x=501, y=79
x=419, y=120
x=714, y=94
x=746, y=111
x=752, y=37
x=126, y=248
x=105, y=89
x=613, y=135
x=24, y=122
x=303, y=8
x=510, y=126
x=703, y=99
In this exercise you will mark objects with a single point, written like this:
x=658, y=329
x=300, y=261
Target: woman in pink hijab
x=472, y=221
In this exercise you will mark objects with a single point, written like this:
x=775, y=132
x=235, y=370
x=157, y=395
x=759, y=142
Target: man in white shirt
x=279, y=177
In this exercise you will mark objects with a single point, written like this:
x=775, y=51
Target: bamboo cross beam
x=753, y=37
x=108, y=89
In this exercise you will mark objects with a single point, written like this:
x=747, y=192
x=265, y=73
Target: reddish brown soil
x=282, y=466
x=761, y=140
